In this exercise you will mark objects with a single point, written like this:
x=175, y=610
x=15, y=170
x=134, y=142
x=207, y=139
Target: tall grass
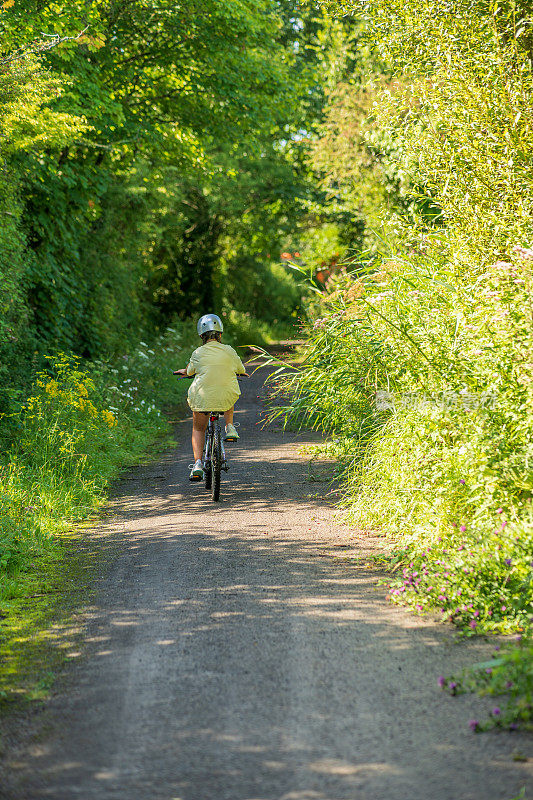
x=422, y=379
x=419, y=361
x=79, y=427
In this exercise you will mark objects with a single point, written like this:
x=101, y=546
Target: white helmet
x=209, y=322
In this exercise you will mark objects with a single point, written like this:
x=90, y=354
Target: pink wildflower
x=502, y=265
x=523, y=252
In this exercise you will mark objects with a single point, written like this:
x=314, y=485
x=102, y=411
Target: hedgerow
x=419, y=354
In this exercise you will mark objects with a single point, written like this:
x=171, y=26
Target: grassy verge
x=38, y=631
x=81, y=426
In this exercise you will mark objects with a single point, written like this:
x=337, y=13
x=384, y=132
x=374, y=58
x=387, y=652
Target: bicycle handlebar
x=189, y=377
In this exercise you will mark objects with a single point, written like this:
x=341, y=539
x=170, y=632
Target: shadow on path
x=227, y=658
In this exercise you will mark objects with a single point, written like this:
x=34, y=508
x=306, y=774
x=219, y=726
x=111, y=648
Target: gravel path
x=235, y=653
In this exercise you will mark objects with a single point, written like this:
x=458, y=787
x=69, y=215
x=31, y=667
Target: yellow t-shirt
x=215, y=387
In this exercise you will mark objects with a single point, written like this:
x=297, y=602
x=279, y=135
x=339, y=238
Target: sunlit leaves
x=114, y=117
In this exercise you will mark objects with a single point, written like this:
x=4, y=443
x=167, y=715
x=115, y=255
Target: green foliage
x=435, y=397
x=23, y=90
x=141, y=144
x=15, y=338
x=509, y=674
x=78, y=428
x=419, y=359
x=242, y=329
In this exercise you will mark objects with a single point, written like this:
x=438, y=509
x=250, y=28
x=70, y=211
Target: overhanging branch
x=41, y=46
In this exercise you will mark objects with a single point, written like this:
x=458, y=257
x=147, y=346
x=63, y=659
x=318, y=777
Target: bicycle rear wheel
x=207, y=460
x=216, y=461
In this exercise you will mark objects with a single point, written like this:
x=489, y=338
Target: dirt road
x=234, y=653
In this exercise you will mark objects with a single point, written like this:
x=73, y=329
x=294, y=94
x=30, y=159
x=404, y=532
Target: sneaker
x=231, y=433
x=197, y=471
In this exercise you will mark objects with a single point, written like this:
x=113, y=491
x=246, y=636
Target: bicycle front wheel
x=216, y=462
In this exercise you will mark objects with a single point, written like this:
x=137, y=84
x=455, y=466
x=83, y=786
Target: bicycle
x=214, y=456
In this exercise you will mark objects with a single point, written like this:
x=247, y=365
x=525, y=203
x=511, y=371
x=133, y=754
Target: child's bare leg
x=199, y=426
x=228, y=416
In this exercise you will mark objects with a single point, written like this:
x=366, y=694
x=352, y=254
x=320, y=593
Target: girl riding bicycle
x=214, y=388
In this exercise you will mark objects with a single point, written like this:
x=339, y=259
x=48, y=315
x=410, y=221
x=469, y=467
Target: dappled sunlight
x=216, y=643
x=232, y=658
x=332, y=766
